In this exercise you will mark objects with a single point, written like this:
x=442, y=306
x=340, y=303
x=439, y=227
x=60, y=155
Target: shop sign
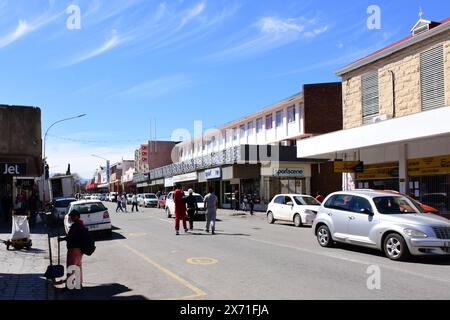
x=348, y=166
x=25, y=183
x=213, y=173
x=168, y=182
x=289, y=172
x=13, y=169
x=379, y=171
x=185, y=177
x=430, y=165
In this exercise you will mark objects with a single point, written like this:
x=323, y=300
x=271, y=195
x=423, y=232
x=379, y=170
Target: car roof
x=85, y=202
x=368, y=193
x=293, y=195
x=66, y=198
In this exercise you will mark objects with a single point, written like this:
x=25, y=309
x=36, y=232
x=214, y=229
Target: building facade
x=256, y=154
x=396, y=106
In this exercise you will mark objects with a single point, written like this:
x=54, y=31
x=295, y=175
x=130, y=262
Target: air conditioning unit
x=381, y=117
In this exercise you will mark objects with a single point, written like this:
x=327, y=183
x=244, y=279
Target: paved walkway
x=22, y=271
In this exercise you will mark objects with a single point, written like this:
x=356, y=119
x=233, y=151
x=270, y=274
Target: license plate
x=92, y=227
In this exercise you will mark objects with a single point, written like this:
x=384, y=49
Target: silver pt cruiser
x=381, y=220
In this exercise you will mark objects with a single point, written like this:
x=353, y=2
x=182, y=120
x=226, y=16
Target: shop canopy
x=426, y=124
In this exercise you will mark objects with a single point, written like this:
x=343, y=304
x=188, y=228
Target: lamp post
x=45, y=139
x=107, y=167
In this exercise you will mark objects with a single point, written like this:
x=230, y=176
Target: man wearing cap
x=191, y=204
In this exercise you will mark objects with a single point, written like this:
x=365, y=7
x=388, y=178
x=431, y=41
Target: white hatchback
x=170, y=204
x=297, y=208
x=94, y=215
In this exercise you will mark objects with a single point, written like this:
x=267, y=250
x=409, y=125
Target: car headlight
x=415, y=233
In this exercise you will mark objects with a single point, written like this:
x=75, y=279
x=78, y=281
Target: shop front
x=378, y=176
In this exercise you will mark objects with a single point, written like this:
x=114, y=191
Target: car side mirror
x=367, y=211
x=290, y=204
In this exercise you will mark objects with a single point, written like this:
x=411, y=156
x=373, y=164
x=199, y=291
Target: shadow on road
x=114, y=236
x=102, y=292
x=25, y=286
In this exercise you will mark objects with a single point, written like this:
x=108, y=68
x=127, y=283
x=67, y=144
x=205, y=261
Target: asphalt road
x=246, y=259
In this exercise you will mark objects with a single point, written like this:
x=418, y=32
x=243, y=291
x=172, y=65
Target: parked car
x=129, y=198
x=170, y=204
x=162, y=201
x=297, y=208
x=113, y=196
x=148, y=200
x=381, y=220
x=60, y=208
x=94, y=215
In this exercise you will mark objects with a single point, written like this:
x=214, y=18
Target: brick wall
x=405, y=65
x=323, y=107
x=159, y=153
x=326, y=181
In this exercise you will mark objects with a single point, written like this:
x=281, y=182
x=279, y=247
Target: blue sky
x=174, y=62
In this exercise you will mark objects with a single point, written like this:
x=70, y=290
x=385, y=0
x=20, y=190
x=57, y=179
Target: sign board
x=213, y=173
x=289, y=172
x=13, y=169
x=185, y=177
x=168, y=182
x=25, y=183
x=348, y=166
x=430, y=165
x=388, y=170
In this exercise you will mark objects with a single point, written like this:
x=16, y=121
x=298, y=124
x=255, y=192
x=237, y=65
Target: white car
x=148, y=200
x=94, y=214
x=129, y=198
x=297, y=208
x=60, y=208
x=170, y=204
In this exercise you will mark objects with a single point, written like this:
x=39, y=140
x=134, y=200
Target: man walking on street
x=134, y=203
x=211, y=210
x=251, y=202
x=191, y=203
x=119, y=203
x=180, y=209
x=236, y=200
x=124, y=202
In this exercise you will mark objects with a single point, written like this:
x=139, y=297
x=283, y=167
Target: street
x=246, y=259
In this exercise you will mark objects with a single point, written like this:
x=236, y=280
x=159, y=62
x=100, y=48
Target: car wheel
x=270, y=218
x=395, y=247
x=298, y=220
x=168, y=213
x=324, y=236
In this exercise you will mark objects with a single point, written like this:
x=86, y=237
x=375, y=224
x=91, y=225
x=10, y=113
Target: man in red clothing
x=180, y=209
x=319, y=197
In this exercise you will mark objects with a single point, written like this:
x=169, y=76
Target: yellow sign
x=430, y=165
x=387, y=170
x=345, y=166
x=202, y=261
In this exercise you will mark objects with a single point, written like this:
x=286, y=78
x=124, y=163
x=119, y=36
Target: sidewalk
x=22, y=271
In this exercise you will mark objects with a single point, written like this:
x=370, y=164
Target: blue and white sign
x=213, y=173
x=289, y=172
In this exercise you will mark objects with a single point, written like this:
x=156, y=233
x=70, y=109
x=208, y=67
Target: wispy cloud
x=193, y=13
x=271, y=33
x=156, y=88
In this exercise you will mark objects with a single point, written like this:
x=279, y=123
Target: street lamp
x=45, y=139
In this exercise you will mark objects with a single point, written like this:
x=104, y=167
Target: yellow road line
x=198, y=292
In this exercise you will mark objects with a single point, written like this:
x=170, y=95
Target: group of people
x=22, y=205
x=122, y=203
x=186, y=206
x=244, y=201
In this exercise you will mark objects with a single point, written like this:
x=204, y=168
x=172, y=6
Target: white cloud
x=158, y=87
x=193, y=13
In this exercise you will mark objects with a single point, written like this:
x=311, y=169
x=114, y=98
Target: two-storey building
x=396, y=112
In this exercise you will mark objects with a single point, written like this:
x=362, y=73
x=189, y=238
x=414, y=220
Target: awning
x=421, y=125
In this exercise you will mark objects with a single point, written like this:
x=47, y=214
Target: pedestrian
x=124, y=202
x=251, y=203
x=119, y=203
x=180, y=209
x=244, y=202
x=74, y=240
x=211, y=210
x=236, y=200
x=20, y=206
x=319, y=197
x=134, y=203
x=192, y=208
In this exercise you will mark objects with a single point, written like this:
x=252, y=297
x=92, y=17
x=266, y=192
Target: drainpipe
x=393, y=92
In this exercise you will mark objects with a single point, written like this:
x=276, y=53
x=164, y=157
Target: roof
x=436, y=27
x=368, y=193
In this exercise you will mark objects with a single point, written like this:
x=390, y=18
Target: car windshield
x=306, y=201
x=150, y=196
x=87, y=208
x=395, y=205
x=63, y=203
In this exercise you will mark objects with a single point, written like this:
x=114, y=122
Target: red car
x=162, y=202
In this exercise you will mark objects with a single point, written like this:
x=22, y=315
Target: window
x=235, y=133
x=242, y=129
x=360, y=205
x=339, y=202
x=369, y=96
x=306, y=201
x=259, y=124
x=291, y=114
x=287, y=200
x=269, y=123
x=89, y=208
x=394, y=205
x=279, y=200
x=250, y=128
x=432, y=78
x=279, y=118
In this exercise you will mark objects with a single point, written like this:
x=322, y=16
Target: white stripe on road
x=351, y=260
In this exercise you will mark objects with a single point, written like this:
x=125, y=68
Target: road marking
x=198, y=292
x=416, y=274
x=137, y=234
x=202, y=261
